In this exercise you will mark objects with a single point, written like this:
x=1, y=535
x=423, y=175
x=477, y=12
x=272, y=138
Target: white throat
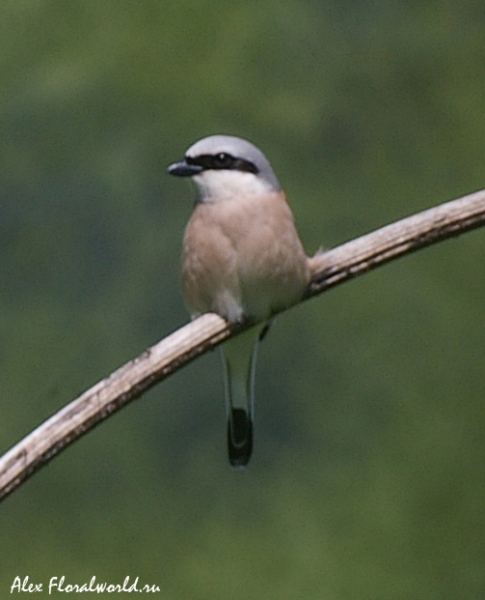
x=215, y=185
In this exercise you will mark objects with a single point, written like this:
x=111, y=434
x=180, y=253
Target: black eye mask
x=221, y=161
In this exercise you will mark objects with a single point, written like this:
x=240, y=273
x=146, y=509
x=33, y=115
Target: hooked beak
x=183, y=169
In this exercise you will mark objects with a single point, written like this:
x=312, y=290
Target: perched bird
x=241, y=258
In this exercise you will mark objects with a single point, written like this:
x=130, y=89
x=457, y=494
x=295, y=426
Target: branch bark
x=127, y=383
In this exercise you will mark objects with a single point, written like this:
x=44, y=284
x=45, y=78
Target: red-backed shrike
x=242, y=258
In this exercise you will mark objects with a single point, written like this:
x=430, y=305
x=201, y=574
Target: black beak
x=183, y=169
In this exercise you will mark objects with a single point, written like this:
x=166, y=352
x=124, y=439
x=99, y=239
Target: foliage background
x=367, y=479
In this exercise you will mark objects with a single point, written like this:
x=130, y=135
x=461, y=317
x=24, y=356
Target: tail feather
x=239, y=360
x=239, y=437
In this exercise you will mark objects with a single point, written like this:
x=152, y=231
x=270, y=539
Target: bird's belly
x=262, y=297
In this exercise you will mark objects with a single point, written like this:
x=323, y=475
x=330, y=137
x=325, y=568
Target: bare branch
x=127, y=383
x=392, y=241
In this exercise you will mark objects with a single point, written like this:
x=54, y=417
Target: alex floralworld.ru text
x=58, y=584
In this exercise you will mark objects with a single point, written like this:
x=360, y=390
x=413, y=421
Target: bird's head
x=223, y=166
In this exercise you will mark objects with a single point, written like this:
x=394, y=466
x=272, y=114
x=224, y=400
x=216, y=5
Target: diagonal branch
x=127, y=383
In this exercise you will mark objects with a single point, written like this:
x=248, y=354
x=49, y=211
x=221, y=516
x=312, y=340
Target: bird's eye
x=223, y=160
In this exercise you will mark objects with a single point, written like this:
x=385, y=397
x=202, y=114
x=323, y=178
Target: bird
x=242, y=259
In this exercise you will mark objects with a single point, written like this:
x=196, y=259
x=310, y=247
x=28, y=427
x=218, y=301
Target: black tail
x=239, y=437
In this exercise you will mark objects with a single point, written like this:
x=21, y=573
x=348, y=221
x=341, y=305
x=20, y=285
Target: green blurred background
x=367, y=479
